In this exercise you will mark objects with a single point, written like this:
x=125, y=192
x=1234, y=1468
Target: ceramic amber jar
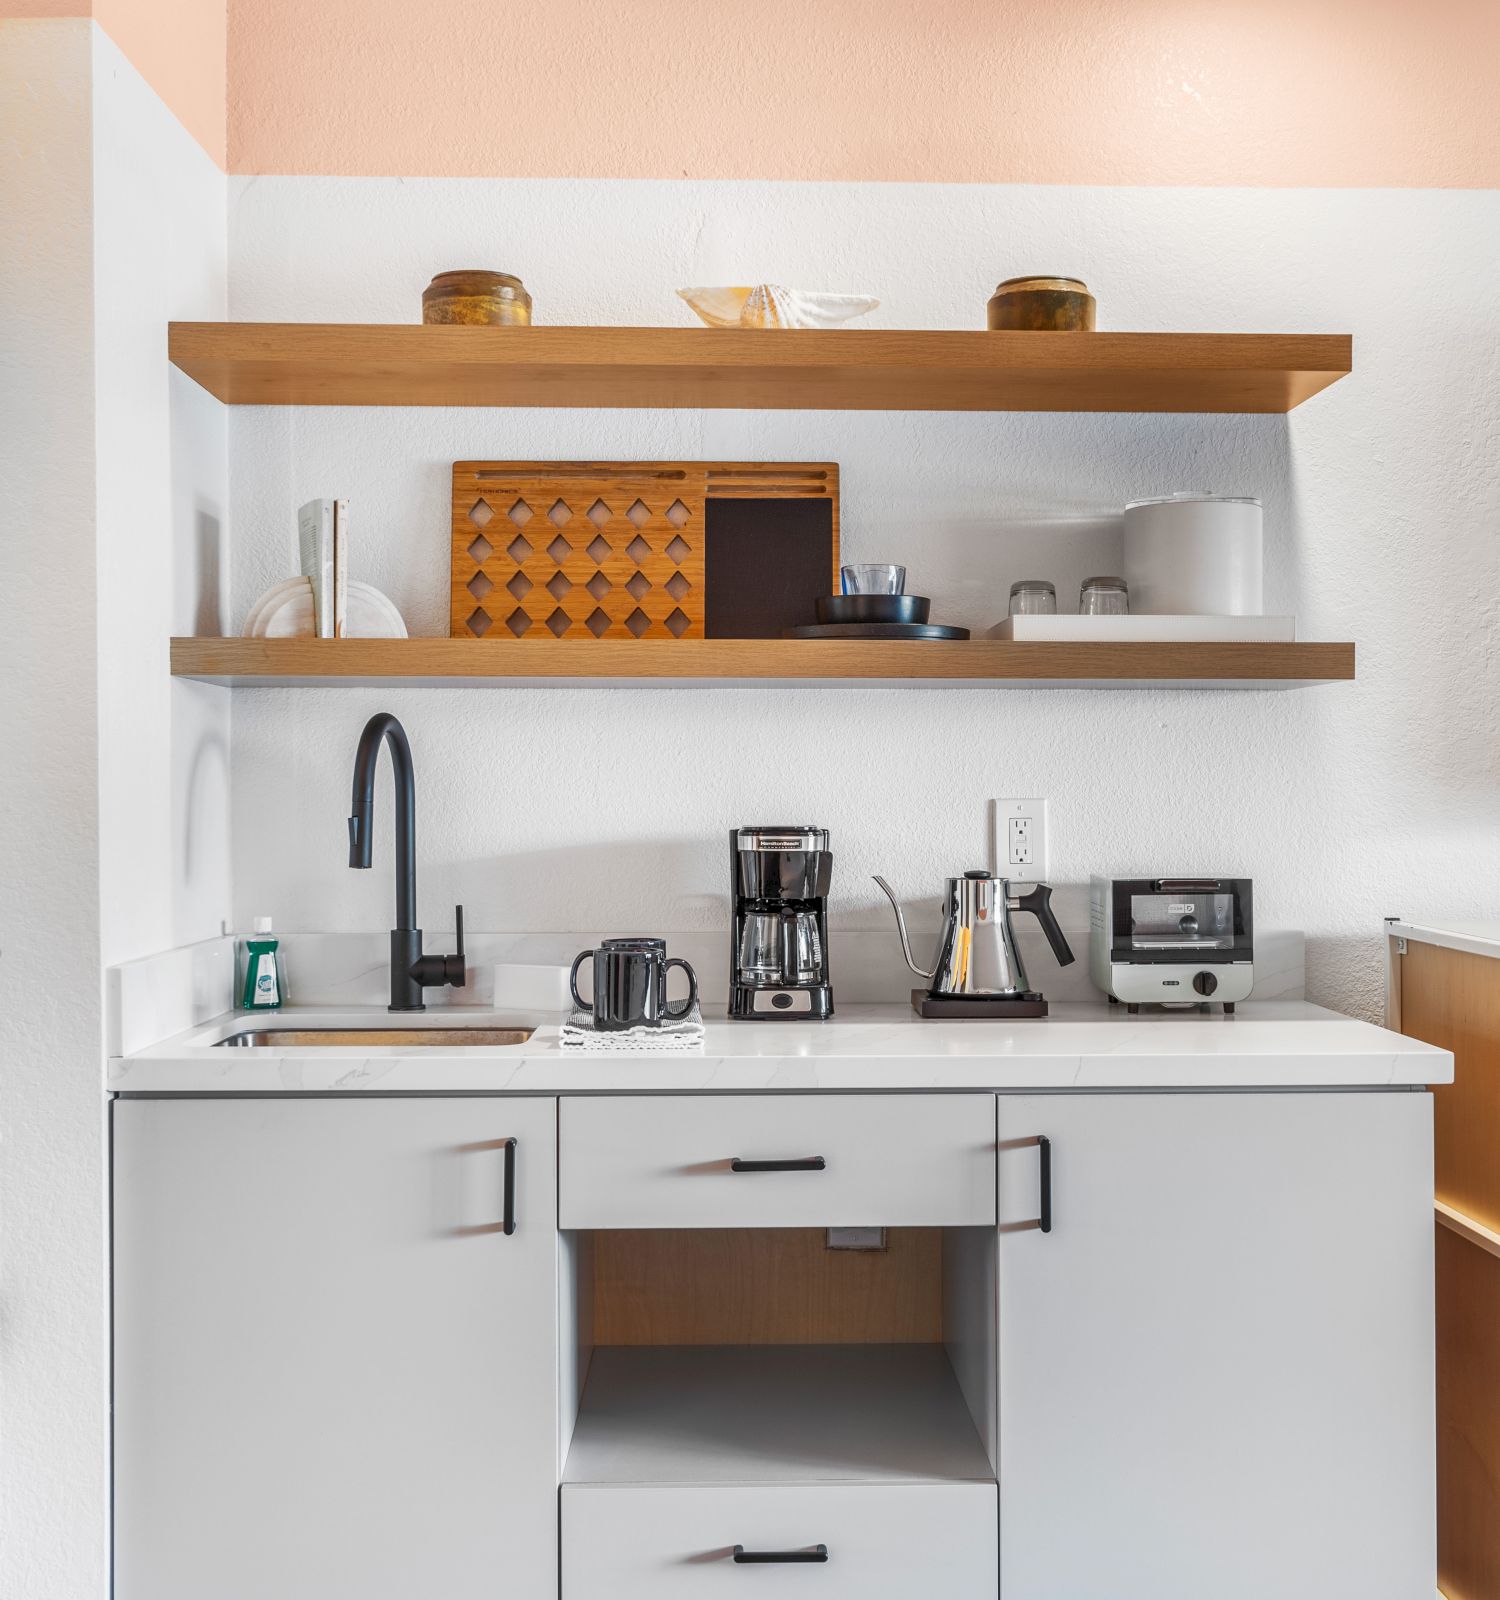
x=478, y=299
x=1043, y=305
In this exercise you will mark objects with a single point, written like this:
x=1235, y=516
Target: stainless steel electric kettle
x=978, y=971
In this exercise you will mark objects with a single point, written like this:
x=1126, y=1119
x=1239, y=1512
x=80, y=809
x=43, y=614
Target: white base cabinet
x=336, y=1372
x=334, y=1369
x=1216, y=1369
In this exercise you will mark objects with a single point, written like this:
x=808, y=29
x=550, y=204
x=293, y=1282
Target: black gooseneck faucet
x=411, y=971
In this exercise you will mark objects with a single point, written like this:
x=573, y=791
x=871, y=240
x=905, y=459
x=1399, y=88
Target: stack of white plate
x=287, y=611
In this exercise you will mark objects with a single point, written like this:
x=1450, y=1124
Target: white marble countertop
x=1268, y=1044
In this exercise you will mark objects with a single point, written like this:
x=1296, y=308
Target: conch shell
x=769, y=305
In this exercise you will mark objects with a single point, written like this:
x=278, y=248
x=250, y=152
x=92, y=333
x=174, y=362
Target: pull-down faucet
x=411, y=971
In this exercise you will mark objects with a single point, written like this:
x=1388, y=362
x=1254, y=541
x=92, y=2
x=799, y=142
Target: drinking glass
x=877, y=577
x=1104, y=597
x=1033, y=597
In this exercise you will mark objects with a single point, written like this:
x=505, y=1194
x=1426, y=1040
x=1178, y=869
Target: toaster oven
x=1172, y=941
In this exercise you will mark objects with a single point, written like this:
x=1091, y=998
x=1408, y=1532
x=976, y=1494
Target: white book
x=323, y=541
x=315, y=530
x=340, y=568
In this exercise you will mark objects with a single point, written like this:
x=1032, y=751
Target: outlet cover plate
x=1018, y=840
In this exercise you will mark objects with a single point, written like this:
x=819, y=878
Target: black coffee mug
x=630, y=985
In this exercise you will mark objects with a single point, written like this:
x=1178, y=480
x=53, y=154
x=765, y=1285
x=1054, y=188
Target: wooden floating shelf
x=269, y=663
x=845, y=369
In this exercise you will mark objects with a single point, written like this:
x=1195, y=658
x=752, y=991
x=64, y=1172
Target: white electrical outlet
x=1019, y=840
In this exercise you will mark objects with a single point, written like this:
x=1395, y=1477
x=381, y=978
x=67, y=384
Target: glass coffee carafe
x=780, y=946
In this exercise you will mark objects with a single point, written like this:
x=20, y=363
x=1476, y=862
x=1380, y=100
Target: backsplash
x=162, y=995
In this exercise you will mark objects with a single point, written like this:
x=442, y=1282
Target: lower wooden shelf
x=288, y=663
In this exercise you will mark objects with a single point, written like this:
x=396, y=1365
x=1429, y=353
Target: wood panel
x=1451, y=998
x=801, y=369
x=765, y=1286
x=589, y=550
x=1468, y=1409
x=273, y=662
x=576, y=550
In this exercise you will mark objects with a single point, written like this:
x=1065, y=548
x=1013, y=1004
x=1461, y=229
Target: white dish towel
x=686, y=1033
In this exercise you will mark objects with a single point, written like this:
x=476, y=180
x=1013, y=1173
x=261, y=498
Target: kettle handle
x=1039, y=902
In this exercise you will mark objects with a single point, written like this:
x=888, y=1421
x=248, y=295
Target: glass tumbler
x=877, y=577
x=1104, y=597
x=1033, y=597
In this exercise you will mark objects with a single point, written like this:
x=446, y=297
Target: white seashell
x=770, y=305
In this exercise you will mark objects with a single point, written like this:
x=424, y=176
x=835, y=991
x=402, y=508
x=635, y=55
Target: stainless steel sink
x=302, y=1038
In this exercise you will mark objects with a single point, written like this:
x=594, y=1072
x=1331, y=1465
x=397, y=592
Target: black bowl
x=873, y=607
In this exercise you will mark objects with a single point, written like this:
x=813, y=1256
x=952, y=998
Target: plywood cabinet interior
x=1451, y=998
x=694, y=1286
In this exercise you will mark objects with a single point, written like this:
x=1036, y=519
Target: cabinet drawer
x=777, y=1161
x=882, y=1542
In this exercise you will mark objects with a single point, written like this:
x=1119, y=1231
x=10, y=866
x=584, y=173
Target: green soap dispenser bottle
x=263, y=985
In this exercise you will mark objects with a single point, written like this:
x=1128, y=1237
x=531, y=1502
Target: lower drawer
x=883, y=1541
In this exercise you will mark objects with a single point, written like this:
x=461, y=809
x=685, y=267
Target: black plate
x=874, y=630
x=873, y=607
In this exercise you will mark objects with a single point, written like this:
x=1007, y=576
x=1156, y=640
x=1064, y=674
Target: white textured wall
x=159, y=248
x=572, y=808
x=53, y=1355
x=113, y=782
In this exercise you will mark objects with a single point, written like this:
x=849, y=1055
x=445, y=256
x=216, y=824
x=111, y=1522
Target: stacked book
x=323, y=538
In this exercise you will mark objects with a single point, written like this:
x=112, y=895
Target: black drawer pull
x=799, y=1164
x=744, y=1557
x=1044, y=1153
x=509, y=1225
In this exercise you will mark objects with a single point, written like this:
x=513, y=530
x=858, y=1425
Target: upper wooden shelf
x=289, y=662
x=845, y=369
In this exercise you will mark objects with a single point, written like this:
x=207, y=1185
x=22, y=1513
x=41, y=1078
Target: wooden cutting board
x=609, y=549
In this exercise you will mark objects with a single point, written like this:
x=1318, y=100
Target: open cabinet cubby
x=765, y=1356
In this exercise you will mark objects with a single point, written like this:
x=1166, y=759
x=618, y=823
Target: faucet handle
x=455, y=967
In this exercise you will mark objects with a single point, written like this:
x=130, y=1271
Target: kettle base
x=977, y=1007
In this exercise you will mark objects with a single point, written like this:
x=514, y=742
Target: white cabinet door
x=334, y=1369
x=1216, y=1370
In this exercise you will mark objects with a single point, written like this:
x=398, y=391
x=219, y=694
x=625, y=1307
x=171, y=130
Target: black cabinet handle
x=744, y=1557
x=798, y=1164
x=509, y=1225
x=1044, y=1162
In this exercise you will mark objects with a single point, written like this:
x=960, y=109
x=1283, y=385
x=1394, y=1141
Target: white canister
x=1194, y=554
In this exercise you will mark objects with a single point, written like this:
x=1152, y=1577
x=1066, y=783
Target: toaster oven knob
x=1205, y=983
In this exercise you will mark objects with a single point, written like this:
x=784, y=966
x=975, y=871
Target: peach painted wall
x=178, y=46
x=1260, y=92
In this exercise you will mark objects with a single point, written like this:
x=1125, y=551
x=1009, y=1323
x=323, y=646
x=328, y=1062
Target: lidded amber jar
x=477, y=299
x=1042, y=305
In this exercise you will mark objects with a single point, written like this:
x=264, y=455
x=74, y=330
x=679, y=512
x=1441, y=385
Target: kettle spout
x=901, y=927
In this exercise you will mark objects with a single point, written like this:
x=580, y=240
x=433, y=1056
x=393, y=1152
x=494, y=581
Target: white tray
x=1141, y=629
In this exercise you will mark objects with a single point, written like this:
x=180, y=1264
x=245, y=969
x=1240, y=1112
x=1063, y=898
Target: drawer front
x=883, y=1542
x=777, y=1161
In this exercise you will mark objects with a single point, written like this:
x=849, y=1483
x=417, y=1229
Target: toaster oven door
x=1194, y=920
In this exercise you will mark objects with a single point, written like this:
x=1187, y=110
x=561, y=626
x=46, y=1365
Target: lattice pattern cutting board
x=596, y=549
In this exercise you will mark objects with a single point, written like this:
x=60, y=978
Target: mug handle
x=692, y=999
x=578, y=1000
